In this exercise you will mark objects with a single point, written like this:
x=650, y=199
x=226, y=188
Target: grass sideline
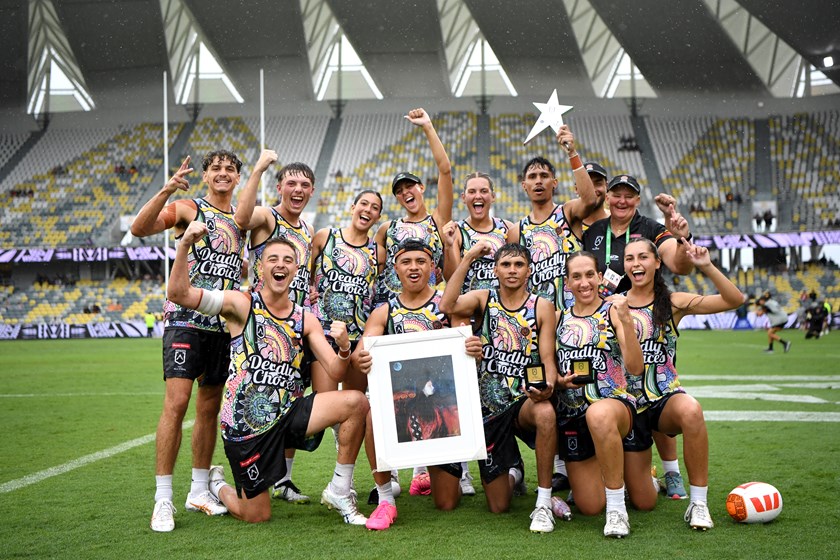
x=63, y=400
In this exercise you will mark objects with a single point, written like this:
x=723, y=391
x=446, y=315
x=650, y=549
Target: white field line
x=769, y=416
x=772, y=379
x=81, y=462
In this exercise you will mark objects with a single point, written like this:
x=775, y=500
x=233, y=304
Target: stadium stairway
x=19, y=155
x=159, y=179
x=482, y=147
x=322, y=169
x=654, y=179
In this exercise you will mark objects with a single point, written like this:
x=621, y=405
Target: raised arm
x=247, y=215
x=674, y=256
x=577, y=209
x=452, y=248
x=334, y=364
x=729, y=296
x=452, y=302
x=233, y=305
x=443, y=212
x=156, y=215
x=625, y=332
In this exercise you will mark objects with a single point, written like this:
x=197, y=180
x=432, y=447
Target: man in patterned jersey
x=196, y=347
x=264, y=409
x=415, y=309
x=517, y=331
x=550, y=234
x=295, y=185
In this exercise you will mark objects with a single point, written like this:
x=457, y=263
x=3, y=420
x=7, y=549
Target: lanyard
x=609, y=241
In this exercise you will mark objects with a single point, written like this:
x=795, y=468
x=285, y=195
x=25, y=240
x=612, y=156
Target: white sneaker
x=205, y=502
x=467, y=488
x=617, y=525
x=698, y=517
x=287, y=490
x=163, y=519
x=345, y=505
x=542, y=520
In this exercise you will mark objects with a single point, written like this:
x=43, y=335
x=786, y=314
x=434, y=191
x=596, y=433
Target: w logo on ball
x=766, y=502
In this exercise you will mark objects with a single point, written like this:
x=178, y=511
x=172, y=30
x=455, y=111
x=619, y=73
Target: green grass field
x=85, y=413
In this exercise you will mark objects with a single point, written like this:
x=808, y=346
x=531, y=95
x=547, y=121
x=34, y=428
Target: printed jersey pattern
x=590, y=338
x=481, y=275
x=388, y=284
x=549, y=242
x=427, y=317
x=510, y=341
x=265, y=372
x=345, y=275
x=302, y=240
x=659, y=349
x=214, y=263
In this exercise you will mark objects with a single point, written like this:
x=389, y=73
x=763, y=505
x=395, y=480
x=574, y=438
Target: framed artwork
x=424, y=400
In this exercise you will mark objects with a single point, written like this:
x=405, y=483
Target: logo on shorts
x=631, y=436
x=180, y=357
x=572, y=443
x=253, y=472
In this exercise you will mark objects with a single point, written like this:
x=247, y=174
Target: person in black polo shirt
x=607, y=238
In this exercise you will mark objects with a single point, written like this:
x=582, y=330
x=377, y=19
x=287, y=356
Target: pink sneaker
x=382, y=517
x=421, y=485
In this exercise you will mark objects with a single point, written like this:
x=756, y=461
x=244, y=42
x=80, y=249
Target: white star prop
x=551, y=114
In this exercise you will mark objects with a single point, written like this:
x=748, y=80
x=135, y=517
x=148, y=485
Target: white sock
x=163, y=487
x=395, y=475
x=560, y=465
x=342, y=478
x=215, y=486
x=386, y=494
x=288, y=476
x=615, y=500
x=544, y=497
x=516, y=475
x=671, y=466
x=465, y=469
x=199, y=481
x=698, y=493
x=418, y=470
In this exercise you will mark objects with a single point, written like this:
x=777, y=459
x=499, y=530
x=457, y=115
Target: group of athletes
x=575, y=289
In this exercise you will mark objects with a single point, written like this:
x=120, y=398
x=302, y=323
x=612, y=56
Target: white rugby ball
x=754, y=502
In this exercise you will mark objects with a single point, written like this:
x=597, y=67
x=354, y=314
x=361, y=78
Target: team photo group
x=574, y=337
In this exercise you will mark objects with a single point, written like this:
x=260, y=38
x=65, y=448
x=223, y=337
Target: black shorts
x=500, y=435
x=259, y=462
x=574, y=441
x=196, y=354
x=645, y=422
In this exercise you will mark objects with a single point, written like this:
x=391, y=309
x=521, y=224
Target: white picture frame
x=416, y=423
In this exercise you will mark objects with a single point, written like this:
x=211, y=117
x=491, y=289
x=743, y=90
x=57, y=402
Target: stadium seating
x=805, y=152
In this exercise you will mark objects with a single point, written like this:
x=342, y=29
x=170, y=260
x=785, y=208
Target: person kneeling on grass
x=662, y=404
x=264, y=410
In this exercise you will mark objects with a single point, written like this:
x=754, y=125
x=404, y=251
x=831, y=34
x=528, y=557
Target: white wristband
x=211, y=302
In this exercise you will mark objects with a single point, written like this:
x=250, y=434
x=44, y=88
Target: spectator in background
x=768, y=219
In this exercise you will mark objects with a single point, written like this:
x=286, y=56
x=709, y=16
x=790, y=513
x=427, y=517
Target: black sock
x=770, y=347
x=783, y=341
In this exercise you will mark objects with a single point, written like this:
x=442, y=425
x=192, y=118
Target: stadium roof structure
x=678, y=46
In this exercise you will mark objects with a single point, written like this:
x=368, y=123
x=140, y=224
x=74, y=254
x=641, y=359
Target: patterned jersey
x=549, y=242
x=481, y=275
x=345, y=275
x=590, y=338
x=659, y=349
x=265, y=372
x=427, y=317
x=388, y=283
x=215, y=263
x=301, y=238
x=510, y=341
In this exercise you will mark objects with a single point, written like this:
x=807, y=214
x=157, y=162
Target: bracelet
x=344, y=354
x=575, y=162
x=688, y=237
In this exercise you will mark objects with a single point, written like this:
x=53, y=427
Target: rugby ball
x=754, y=502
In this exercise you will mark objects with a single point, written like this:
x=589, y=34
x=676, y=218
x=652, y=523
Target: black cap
x=592, y=167
x=413, y=244
x=628, y=180
x=404, y=176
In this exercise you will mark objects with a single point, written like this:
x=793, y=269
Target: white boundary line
x=81, y=462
